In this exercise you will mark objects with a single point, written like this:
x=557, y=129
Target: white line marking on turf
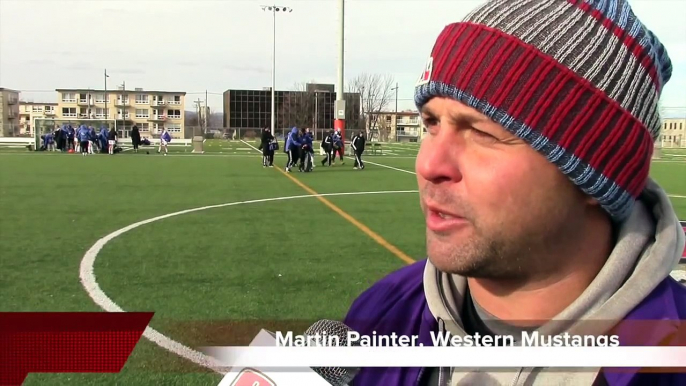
x=90, y=284
x=389, y=167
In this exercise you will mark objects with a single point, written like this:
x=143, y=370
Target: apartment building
x=29, y=111
x=9, y=112
x=149, y=110
x=401, y=126
x=673, y=132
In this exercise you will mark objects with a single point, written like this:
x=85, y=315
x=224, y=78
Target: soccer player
x=135, y=138
x=306, y=155
x=292, y=148
x=165, y=138
x=265, y=143
x=327, y=146
x=338, y=146
x=92, y=140
x=358, y=148
x=111, y=140
x=84, y=137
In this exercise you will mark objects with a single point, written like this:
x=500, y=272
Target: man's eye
x=430, y=122
x=482, y=135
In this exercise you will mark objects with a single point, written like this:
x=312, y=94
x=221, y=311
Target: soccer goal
x=43, y=126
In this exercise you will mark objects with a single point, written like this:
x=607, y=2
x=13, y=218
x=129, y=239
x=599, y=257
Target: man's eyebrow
x=426, y=111
x=469, y=119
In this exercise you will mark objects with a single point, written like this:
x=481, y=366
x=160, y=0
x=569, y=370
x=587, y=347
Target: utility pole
x=198, y=107
x=396, y=97
x=105, y=95
x=206, y=111
x=124, y=107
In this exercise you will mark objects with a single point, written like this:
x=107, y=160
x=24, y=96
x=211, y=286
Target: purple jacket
x=397, y=304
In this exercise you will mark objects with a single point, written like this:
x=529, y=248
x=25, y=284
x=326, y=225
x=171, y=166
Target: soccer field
x=264, y=248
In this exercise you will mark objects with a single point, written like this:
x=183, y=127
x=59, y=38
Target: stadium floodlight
x=274, y=9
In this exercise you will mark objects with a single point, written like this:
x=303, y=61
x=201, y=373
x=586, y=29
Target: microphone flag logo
x=252, y=377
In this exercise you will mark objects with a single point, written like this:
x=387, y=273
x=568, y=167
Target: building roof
x=38, y=103
x=401, y=113
x=8, y=89
x=118, y=90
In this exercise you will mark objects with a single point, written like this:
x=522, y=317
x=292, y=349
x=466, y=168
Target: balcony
x=85, y=102
x=12, y=101
x=123, y=117
x=49, y=112
x=158, y=103
x=158, y=118
x=122, y=103
x=11, y=114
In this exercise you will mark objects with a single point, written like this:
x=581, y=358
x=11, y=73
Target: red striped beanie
x=578, y=80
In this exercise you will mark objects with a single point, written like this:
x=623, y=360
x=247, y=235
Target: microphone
x=317, y=376
x=337, y=376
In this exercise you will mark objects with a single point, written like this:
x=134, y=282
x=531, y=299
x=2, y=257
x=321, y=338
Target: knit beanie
x=578, y=80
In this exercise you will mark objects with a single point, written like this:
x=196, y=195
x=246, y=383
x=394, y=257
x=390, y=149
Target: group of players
x=300, y=150
x=81, y=139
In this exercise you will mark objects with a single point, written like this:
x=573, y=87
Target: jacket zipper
x=443, y=372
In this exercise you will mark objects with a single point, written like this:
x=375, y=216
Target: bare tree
x=297, y=108
x=376, y=92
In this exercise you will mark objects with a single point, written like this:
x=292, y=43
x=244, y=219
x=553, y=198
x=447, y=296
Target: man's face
x=494, y=207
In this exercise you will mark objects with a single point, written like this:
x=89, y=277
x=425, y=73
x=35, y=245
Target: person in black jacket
x=111, y=140
x=267, y=149
x=135, y=138
x=358, y=147
x=327, y=146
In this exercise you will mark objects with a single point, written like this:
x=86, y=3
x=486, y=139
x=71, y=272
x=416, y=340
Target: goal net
x=43, y=126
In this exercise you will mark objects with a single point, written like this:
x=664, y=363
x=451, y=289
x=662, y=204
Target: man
x=358, y=148
x=533, y=179
x=292, y=148
x=327, y=147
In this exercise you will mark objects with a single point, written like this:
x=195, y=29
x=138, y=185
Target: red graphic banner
x=67, y=342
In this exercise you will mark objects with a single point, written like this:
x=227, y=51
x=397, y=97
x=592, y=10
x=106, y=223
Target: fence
x=250, y=134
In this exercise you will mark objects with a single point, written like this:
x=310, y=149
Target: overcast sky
x=201, y=45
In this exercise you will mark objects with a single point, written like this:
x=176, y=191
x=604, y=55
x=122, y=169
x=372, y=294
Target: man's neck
x=536, y=300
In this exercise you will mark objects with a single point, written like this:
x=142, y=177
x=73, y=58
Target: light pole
x=339, y=106
x=274, y=9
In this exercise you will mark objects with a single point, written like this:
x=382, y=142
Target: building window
x=69, y=97
x=69, y=111
x=143, y=126
x=100, y=98
x=173, y=127
x=174, y=114
x=142, y=99
x=142, y=113
x=175, y=100
x=100, y=113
